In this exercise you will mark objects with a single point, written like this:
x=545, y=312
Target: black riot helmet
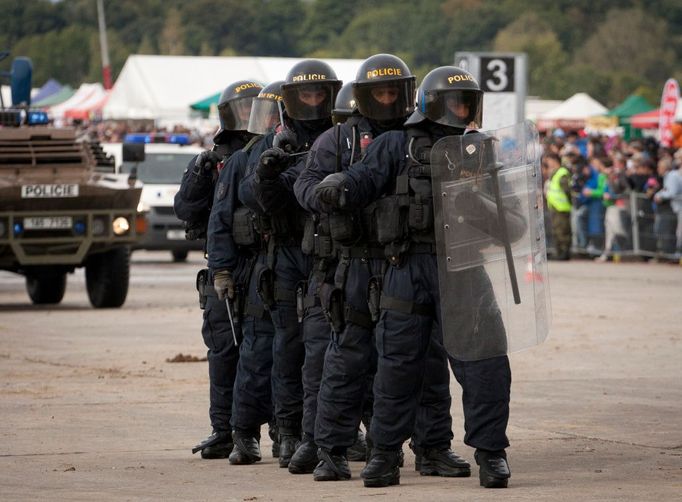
x=234, y=106
x=449, y=96
x=384, y=88
x=345, y=105
x=268, y=109
x=309, y=90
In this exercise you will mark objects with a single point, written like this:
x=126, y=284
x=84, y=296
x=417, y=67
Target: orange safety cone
x=531, y=274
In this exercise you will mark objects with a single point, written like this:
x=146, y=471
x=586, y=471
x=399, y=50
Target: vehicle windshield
x=160, y=168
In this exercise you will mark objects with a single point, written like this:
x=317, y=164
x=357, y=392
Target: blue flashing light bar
x=37, y=117
x=79, y=227
x=141, y=137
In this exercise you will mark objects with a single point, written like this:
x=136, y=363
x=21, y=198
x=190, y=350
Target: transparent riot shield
x=492, y=259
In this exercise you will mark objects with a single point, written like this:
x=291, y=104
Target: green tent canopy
x=632, y=105
x=59, y=97
x=204, y=105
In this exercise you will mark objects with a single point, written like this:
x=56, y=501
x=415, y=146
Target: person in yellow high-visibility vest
x=559, y=203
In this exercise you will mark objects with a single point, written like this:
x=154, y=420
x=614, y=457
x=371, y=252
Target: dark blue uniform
x=252, y=401
x=350, y=359
x=193, y=204
x=275, y=200
x=409, y=319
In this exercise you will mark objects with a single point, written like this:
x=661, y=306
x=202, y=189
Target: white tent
x=572, y=113
x=85, y=94
x=163, y=87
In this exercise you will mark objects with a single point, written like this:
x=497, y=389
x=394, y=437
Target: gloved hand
x=271, y=163
x=223, y=283
x=207, y=162
x=286, y=140
x=330, y=192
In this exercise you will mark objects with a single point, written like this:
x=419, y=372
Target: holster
x=265, y=285
x=374, y=297
x=201, y=284
x=332, y=301
x=301, y=290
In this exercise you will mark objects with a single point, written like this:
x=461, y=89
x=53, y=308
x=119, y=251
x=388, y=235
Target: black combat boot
x=494, y=470
x=288, y=443
x=332, y=467
x=382, y=469
x=358, y=452
x=246, y=449
x=217, y=445
x=443, y=462
x=304, y=460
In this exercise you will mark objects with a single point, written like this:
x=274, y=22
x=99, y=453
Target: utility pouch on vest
x=389, y=220
x=243, y=231
x=238, y=303
x=374, y=297
x=308, y=241
x=265, y=285
x=301, y=290
x=202, y=284
x=342, y=227
x=421, y=214
x=332, y=301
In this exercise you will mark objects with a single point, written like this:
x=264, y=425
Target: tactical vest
x=403, y=219
x=247, y=227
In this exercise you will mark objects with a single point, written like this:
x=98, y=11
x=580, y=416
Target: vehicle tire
x=179, y=256
x=46, y=287
x=106, y=278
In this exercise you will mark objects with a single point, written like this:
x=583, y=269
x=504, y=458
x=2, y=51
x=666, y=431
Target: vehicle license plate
x=175, y=235
x=49, y=191
x=48, y=223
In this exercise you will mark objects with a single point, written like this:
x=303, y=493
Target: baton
x=505, y=233
x=229, y=314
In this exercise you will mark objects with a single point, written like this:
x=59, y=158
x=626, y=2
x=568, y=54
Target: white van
x=161, y=174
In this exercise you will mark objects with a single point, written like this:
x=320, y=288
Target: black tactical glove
x=207, y=161
x=331, y=192
x=286, y=140
x=271, y=163
x=223, y=283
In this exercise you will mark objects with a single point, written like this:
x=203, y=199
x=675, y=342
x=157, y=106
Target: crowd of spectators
x=624, y=197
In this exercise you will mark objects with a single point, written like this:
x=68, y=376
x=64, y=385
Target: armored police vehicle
x=61, y=205
x=159, y=162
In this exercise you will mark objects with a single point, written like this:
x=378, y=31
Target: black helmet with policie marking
x=267, y=109
x=345, y=105
x=234, y=106
x=449, y=96
x=384, y=88
x=309, y=90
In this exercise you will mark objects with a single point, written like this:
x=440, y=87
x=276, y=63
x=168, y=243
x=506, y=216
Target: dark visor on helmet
x=309, y=101
x=385, y=100
x=234, y=115
x=453, y=108
x=265, y=115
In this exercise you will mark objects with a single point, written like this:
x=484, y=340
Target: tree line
x=608, y=48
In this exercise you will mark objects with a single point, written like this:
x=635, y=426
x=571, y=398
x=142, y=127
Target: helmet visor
x=454, y=108
x=385, y=100
x=265, y=116
x=310, y=101
x=234, y=115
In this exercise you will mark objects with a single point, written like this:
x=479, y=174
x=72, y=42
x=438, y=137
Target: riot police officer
x=308, y=93
x=236, y=251
x=396, y=174
x=193, y=205
x=384, y=94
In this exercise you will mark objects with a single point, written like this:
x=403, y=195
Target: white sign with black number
x=48, y=223
x=49, y=191
x=502, y=77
